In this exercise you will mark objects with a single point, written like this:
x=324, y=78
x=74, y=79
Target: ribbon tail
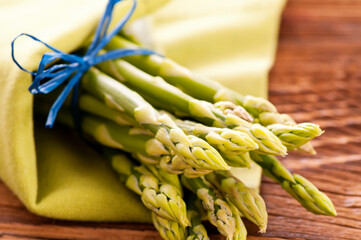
x=104, y=41
x=102, y=26
x=61, y=99
x=55, y=82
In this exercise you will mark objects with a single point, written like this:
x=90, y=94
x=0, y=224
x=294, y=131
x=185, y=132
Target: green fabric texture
x=50, y=170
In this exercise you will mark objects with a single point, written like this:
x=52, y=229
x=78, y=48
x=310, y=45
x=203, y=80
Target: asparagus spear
x=268, y=118
x=189, y=82
x=173, y=99
x=240, y=232
x=230, y=108
x=297, y=186
x=88, y=103
x=92, y=105
x=267, y=142
x=223, y=139
x=241, y=160
x=295, y=136
x=246, y=200
x=162, y=198
x=168, y=230
x=188, y=148
x=218, y=211
x=165, y=176
x=172, y=164
x=291, y=136
x=196, y=230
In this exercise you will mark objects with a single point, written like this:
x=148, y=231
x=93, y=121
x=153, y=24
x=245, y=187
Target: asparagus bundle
x=212, y=91
x=166, y=96
x=188, y=149
x=206, y=130
x=225, y=140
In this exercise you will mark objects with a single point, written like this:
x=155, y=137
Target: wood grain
x=317, y=76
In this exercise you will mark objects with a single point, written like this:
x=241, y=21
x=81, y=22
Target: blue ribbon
x=57, y=74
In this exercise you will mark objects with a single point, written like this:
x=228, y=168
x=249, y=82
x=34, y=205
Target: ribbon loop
x=47, y=80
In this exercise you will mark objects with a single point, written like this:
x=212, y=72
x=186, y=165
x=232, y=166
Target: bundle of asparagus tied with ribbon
x=172, y=136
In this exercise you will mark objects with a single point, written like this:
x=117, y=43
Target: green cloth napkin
x=51, y=171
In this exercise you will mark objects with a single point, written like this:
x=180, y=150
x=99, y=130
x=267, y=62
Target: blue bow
x=77, y=65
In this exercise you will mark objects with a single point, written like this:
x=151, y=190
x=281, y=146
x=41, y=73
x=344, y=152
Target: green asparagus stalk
x=90, y=104
x=175, y=165
x=165, y=176
x=240, y=160
x=247, y=200
x=168, y=230
x=189, y=82
x=267, y=142
x=196, y=231
x=175, y=100
x=269, y=118
x=230, y=108
x=295, y=136
x=223, y=139
x=218, y=211
x=240, y=232
x=188, y=148
x=162, y=198
x=297, y=186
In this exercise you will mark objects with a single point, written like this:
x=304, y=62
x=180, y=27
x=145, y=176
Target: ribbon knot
x=85, y=64
x=48, y=79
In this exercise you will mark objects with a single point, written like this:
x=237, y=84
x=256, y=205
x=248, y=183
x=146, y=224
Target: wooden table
x=317, y=76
